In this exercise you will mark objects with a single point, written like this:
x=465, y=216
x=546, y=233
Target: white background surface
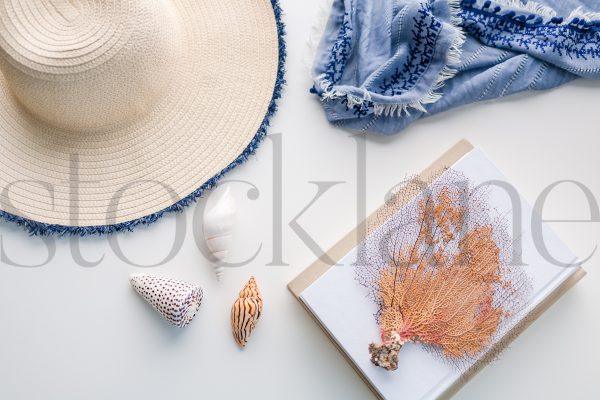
x=70, y=332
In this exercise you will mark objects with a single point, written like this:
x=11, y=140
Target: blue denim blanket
x=382, y=64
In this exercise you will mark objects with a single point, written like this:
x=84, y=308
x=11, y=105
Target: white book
x=331, y=293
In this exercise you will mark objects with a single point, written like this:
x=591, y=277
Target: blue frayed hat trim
x=41, y=229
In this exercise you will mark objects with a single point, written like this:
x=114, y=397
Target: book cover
x=337, y=301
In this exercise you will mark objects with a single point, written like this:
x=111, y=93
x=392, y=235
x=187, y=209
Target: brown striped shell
x=245, y=312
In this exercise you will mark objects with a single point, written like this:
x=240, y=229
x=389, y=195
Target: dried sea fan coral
x=438, y=267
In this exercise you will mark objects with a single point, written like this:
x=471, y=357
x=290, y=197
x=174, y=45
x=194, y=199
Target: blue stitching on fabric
x=42, y=229
x=424, y=35
x=575, y=39
x=340, y=52
x=421, y=50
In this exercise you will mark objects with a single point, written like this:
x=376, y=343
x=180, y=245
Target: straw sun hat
x=113, y=112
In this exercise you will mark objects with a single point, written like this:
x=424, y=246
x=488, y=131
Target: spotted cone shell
x=245, y=312
x=176, y=301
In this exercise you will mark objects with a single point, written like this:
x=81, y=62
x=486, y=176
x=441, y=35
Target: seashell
x=245, y=312
x=218, y=224
x=176, y=301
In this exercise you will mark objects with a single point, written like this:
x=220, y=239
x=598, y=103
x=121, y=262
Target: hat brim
x=55, y=182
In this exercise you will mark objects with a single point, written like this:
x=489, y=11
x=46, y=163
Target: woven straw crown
x=90, y=67
x=115, y=110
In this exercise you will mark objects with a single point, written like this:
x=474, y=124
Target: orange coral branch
x=446, y=283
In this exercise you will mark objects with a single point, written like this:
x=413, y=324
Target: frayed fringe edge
x=581, y=13
x=448, y=72
x=455, y=10
x=41, y=229
x=530, y=6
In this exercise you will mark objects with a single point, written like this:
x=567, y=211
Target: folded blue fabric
x=383, y=64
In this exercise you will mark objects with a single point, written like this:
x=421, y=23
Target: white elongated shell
x=218, y=225
x=176, y=301
x=245, y=312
